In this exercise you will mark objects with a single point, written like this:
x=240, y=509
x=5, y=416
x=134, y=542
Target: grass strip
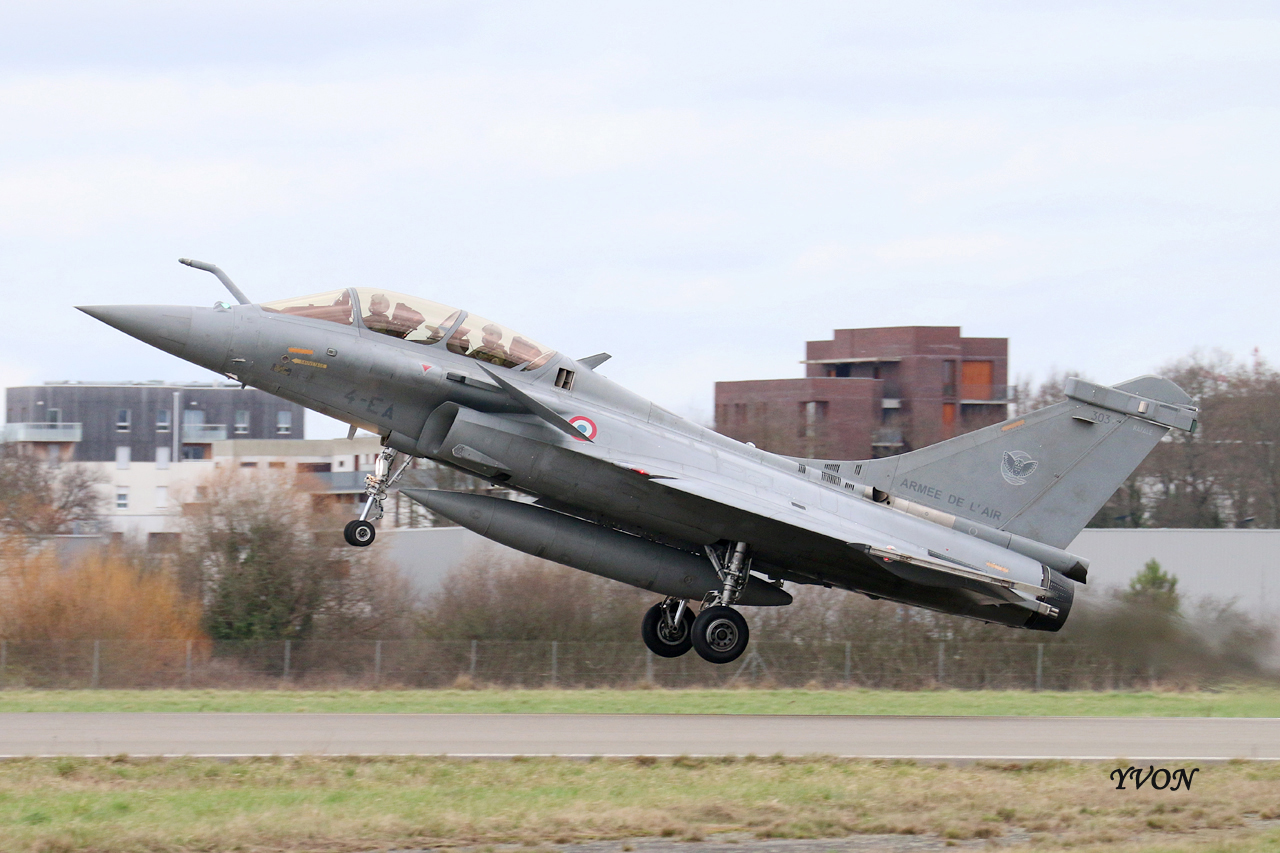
x=1242, y=702
x=347, y=804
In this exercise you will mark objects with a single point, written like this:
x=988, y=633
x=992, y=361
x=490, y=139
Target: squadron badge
x=1016, y=466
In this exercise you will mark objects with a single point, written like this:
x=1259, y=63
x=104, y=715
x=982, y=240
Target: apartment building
x=873, y=392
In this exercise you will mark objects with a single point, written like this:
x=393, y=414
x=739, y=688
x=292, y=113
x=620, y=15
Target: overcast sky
x=697, y=188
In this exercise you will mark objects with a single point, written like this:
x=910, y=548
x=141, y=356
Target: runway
x=580, y=735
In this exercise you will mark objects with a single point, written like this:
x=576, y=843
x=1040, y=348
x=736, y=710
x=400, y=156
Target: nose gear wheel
x=359, y=533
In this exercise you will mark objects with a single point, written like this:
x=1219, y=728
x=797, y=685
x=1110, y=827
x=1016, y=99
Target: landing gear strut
x=361, y=532
x=719, y=634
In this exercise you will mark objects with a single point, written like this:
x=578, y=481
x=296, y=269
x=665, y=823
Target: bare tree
x=1250, y=432
x=502, y=596
x=1188, y=472
x=1051, y=390
x=39, y=499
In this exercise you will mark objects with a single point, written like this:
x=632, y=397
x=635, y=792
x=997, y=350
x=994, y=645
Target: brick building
x=873, y=392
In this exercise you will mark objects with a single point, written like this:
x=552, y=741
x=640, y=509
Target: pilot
x=377, y=319
x=491, y=348
x=523, y=351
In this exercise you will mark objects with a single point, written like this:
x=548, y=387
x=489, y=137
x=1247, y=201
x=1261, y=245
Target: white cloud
x=713, y=183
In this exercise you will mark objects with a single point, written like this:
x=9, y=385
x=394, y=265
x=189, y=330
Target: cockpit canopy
x=419, y=321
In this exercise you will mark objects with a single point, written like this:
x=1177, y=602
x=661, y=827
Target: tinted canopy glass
x=424, y=322
x=333, y=305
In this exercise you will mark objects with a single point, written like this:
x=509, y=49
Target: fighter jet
x=613, y=484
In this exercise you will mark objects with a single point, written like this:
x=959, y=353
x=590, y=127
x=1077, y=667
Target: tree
x=1050, y=391
x=268, y=564
x=1250, y=432
x=1188, y=472
x=1155, y=588
x=39, y=499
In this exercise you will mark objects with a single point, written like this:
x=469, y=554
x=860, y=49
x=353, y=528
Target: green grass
x=1242, y=702
x=348, y=804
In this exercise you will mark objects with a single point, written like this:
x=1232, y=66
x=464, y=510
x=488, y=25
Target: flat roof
x=148, y=383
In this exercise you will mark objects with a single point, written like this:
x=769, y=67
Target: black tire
x=659, y=637
x=720, y=634
x=359, y=533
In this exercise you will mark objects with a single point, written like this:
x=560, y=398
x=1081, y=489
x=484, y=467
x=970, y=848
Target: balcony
x=42, y=432
x=203, y=433
x=997, y=394
x=886, y=437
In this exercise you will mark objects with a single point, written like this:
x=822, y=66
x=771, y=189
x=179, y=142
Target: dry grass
x=102, y=596
x=357, y=804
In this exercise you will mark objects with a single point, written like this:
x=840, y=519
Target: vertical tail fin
x=1044, y=475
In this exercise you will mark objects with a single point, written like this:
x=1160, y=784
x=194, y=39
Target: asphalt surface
x=503, y=735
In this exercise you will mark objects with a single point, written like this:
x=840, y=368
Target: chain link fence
x=433, y=664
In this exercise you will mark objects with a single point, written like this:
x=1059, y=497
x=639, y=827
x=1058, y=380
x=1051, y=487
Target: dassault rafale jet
x=619, y=487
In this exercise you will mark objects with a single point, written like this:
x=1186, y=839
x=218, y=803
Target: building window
x=122, y=458
x=122, y=420
x=275, y=464
x=948, y=378
x=53, y=416
x=163, y=419
x=242, y=422
x=162, y=497
x=813, y=414
x=248, y=464
x=977, y=380
x=284, y=423
x=122, y=497
x=163, y=455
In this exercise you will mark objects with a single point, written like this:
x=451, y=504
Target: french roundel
x=586, y=426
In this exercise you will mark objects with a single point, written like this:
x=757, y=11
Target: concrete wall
x=1229, y=564
x=426, y=554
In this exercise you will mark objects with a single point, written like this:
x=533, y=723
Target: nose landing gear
x=361, y=532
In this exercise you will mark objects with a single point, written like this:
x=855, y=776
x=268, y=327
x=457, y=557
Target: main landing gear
x=719, y=634
x=361, y=532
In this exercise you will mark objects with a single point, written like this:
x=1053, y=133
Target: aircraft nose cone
x=200, y=335
x=166, y=327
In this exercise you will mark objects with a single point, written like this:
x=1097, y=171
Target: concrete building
x=125, y=431
x=873, y=392
x=152, y=441
x=142, y=421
